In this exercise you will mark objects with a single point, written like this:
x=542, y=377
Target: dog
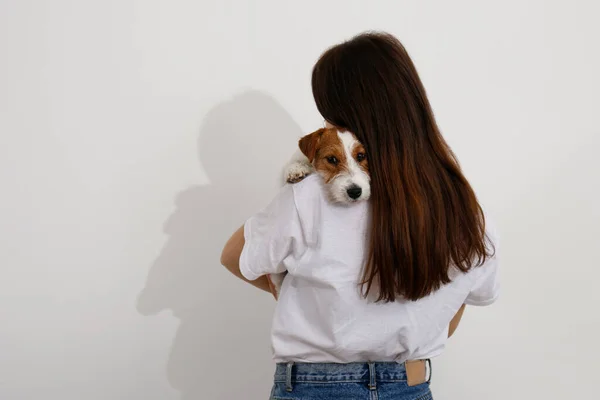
x=341, y=161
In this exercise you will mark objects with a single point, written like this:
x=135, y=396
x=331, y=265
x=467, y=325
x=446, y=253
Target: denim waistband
x=332, y=373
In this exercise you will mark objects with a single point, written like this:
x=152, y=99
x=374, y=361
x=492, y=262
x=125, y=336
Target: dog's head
x=341, y=160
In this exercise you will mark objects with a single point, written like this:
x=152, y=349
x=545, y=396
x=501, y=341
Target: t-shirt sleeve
x=486, y=286
x=271, y=236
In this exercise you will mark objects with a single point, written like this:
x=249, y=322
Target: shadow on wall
x=221, y=349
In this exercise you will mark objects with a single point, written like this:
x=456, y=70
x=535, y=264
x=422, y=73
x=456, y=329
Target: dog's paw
x=297, y=171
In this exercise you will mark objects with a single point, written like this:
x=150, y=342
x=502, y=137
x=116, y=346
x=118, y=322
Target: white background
x=135, y=136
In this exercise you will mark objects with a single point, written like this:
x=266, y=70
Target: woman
x=373, y=291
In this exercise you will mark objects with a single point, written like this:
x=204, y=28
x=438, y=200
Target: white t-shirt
x=321, y=315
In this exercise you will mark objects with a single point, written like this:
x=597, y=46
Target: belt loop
x=372, y=377
x=430, y=370
x=288, y=377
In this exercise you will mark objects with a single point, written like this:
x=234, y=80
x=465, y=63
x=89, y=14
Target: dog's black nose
x=354, y=192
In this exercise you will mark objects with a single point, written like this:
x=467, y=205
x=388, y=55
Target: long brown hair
x=425, y=217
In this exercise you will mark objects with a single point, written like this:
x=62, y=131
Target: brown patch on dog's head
x=359, y=154
x=330, y=159
x=325, y=151
x=309, y=143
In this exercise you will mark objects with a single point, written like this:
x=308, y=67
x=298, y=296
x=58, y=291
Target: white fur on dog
x=354, y=175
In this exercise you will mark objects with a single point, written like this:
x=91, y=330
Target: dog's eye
x=360, y=157
x=332, y=160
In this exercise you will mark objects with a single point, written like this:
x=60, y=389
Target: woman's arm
x=230, y=258
x=455, y=321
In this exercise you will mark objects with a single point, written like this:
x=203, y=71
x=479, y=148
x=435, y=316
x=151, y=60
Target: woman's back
x=370, y=283
x=322, y=315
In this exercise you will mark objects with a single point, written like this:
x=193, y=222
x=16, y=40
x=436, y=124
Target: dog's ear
x=309, y=144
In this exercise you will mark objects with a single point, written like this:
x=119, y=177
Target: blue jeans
x=356, y=381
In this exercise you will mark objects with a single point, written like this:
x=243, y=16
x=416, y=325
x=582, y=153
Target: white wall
x=136, y=135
